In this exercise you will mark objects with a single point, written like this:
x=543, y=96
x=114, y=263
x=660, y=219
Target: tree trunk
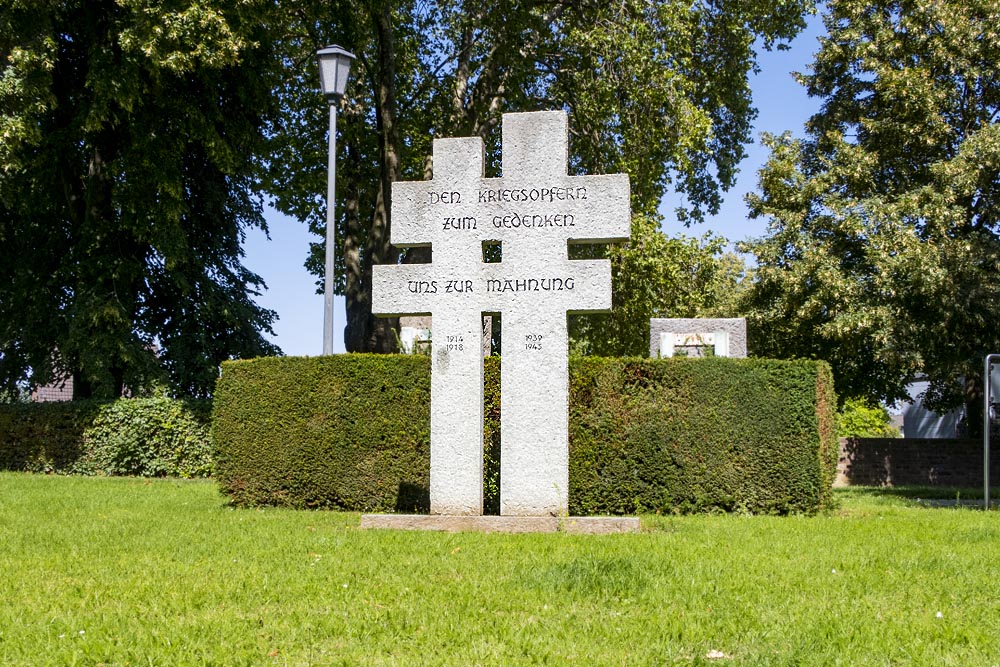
x=366, y=333
x=385, y=331
x=106, y=284
x=82, y=389
x=974, y=404
x=462, y=67
x=357, y=303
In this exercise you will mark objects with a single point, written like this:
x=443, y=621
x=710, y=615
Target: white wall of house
x=920, y=422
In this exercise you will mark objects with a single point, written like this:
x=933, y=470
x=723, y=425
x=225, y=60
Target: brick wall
x=57, y=391
x=915, y=461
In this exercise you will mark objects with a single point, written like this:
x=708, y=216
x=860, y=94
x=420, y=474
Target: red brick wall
x=905, y=461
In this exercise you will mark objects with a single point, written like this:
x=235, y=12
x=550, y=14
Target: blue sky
x=782, y=105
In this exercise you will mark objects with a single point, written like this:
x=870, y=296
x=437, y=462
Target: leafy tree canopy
x=658, y=90
x=128, y=132
x=882, y=254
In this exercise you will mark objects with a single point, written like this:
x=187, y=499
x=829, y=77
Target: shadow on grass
x=923, y=496
x=919, y=492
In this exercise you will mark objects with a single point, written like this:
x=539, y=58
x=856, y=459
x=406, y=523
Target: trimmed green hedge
x=149, y=437
x=665, y=435
x=671, y=435
x=347, y=431
x=44, y=437
x=491, y=435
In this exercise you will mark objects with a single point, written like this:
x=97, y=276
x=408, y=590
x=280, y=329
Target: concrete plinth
x=587, y=525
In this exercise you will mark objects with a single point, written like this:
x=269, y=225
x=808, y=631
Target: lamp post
x=991, y=359
x=334, y=67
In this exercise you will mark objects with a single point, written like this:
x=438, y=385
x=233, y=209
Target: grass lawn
x=132, y=572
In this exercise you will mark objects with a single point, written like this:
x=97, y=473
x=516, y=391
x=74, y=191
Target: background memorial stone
x=534, y=210
x=734, y=327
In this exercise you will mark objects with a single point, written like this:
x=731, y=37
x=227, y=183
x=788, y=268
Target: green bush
x=353, y=432
x=135, y=436
x=858, y=418
x=148, y=437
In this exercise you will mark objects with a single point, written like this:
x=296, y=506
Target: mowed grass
x=133, y=572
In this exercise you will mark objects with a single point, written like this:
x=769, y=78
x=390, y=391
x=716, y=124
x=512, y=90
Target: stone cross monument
x=533, y=211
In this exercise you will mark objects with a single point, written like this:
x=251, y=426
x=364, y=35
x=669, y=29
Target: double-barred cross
x=533, y=211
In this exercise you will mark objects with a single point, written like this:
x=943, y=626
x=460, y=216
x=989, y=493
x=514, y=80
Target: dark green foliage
x=44, y=437
x=491, y=435
x=348, y=431
x=150, y=437
x=882, y=250
x=451, y=69
x=669, y=435
x=132, y=140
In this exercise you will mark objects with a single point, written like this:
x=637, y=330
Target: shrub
x=860, y=419
x=148, y=437
x=347, y=431
x=136, y=436
x=353, y=432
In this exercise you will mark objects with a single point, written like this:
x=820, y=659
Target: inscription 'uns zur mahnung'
x=460, y=286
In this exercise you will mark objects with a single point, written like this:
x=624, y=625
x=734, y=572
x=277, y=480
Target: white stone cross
x=534, y=210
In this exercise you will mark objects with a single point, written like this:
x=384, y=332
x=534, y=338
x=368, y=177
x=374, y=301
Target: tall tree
x=883, y=253
x=128, y=133
x=658, y=90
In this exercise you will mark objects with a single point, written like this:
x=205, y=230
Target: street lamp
x=334, y=66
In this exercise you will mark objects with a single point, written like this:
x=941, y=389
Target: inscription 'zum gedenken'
x=512, y=221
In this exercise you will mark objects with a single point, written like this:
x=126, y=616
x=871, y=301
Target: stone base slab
x=580, y=525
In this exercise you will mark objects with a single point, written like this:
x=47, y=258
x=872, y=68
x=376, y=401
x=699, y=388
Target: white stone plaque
x=728, y=336
x=533, y=211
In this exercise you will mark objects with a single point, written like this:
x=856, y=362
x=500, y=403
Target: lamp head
x=334, y=67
